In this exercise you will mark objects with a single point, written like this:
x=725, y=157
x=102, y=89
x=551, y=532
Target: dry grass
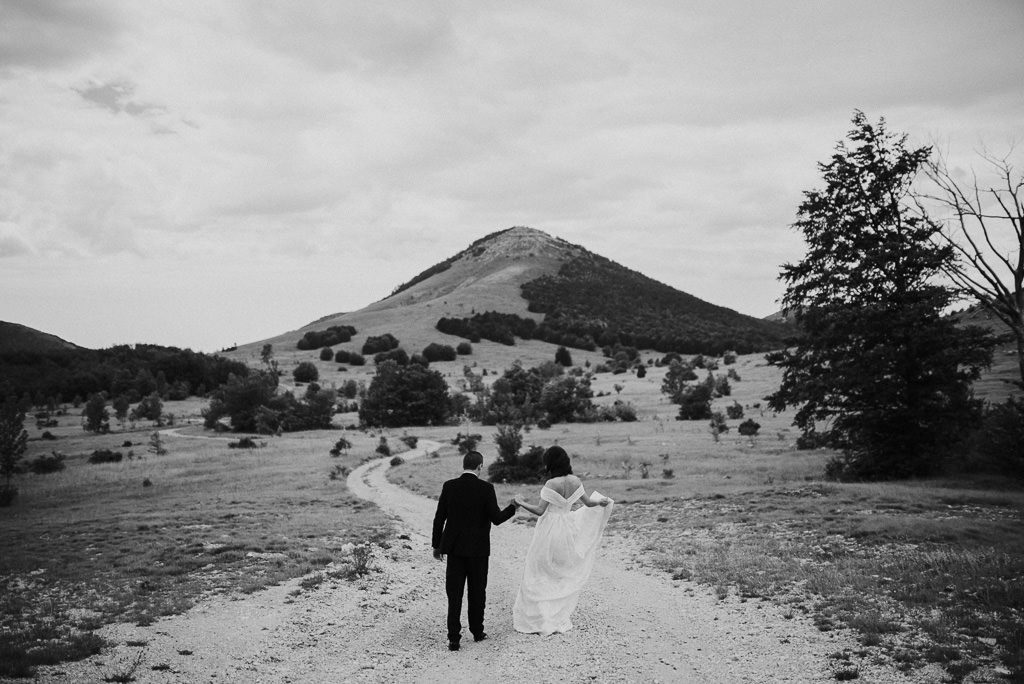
x=91, y=545
x=924, y=571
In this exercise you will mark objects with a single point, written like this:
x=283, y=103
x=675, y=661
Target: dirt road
x=389, y=626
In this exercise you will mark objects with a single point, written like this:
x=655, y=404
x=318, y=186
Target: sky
x=207, y=173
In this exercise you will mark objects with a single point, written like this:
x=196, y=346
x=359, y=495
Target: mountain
x=545, y=285
x=20, y=338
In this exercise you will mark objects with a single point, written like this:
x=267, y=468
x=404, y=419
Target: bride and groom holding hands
x=558, y=561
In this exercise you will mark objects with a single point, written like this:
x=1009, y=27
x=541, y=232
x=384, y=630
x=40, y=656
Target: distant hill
x=563, y=290
x=21, y=338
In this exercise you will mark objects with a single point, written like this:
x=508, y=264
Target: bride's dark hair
x=556, y=462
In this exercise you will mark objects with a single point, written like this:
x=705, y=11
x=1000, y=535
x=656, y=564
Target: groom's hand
x=438, y=555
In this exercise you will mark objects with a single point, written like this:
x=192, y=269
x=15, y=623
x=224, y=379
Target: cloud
x=374, y=140
x=50, y=33
x=12, y=244
x=117, y=97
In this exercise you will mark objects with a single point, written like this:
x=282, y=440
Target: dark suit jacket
x=465, y=511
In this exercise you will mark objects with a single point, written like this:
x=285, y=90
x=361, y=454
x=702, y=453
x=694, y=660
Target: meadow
x=925, y=571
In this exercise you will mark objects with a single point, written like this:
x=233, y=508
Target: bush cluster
x=252, y=404
x=399, y=356
x=380, y=343
x=439, y=352
x=105, y=456
x=336, y=334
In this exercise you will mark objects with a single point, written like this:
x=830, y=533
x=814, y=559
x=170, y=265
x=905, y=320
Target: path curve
x=631, y=624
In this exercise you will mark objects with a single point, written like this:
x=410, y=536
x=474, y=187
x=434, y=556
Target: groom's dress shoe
x=480, y=637
x=453, y=645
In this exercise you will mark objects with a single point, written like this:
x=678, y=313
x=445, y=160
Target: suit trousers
x=466, y=572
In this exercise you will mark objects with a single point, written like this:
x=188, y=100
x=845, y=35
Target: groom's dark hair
x=556, y=462
x=472, y=460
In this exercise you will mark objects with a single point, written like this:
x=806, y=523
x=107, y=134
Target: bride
x=562, y=552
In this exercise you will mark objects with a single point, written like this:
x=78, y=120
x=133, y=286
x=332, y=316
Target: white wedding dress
x=558, y=562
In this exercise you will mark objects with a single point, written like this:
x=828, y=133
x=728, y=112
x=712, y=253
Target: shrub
x=464, y=349
x=7, y=495
x=399, y=356
x=439, y=352
x=380, y=343
x=326, y=354
x=729, y=358
x=383, y=449
x=43, y=464
x=749, y=427
x=641, y=371
x=695, y=403
x=342, y=356
x=527, y=467
x=718, y=424
x=733, y=375
x=48, y=436
x=625, y=412
x=306, y=372
x=562, y=357
x=668, y=473
x=410, y=441
x=419, y=360
x=336, y=334
x=997, y=446
x=397, y=461
x=105, y=456
x=243, y=443
x=340, y=447
x=466, y=443
x=735, y=411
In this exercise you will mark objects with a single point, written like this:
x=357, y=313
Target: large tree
x=405, y=395
x=983, y=221
x=13, y=440
x=879, y=372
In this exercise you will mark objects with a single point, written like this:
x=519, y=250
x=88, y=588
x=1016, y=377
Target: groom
x=462, y=531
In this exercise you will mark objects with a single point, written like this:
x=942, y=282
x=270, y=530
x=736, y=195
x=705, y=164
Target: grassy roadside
x=91, y=545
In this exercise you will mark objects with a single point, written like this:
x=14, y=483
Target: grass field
x=925, y=571
x=91, y=544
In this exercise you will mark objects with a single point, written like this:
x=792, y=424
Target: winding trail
x=631, y=625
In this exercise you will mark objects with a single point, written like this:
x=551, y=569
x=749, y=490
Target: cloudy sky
x=206, y=173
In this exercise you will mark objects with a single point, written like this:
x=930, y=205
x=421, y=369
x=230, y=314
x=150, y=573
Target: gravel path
x=630, y=625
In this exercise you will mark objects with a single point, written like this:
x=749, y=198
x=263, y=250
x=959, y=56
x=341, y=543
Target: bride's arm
x=589, y=502
x=536, y=510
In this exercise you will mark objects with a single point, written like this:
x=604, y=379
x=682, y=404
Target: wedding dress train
x=558, y=562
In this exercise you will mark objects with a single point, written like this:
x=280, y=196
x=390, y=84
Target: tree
x=878, y=373
x=13, y=441
x=306, y=372
x=95, y=413
x=674, y=382
x=156, y=445
x=566, y=399
x=984, y=224
x=405, y=395
x=563, y=357
x=121, y=406
x=149, y=408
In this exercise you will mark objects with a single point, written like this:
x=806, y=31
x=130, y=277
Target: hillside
x=20, y=338
x=536, y=277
